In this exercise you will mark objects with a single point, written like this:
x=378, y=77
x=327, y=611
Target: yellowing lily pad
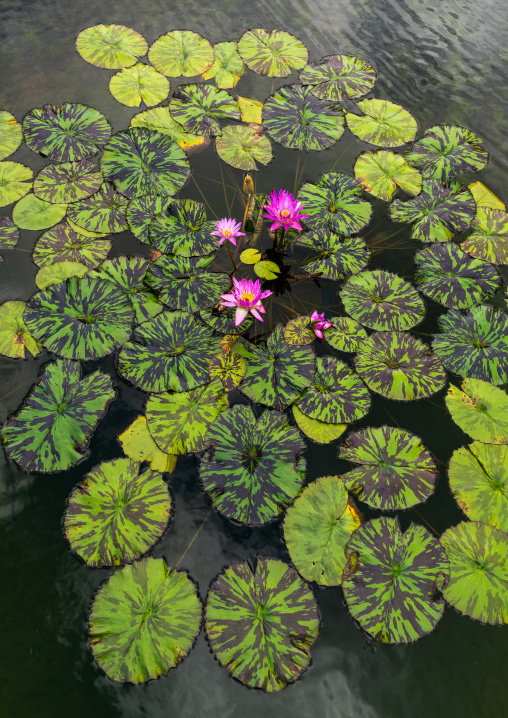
x=15, y=339
x=138, y=445
x=59, y=272
x=111, y=46
x=251, y=110
x=181, y=52
x=11, y=134
x=227, y=68
x=15, y=182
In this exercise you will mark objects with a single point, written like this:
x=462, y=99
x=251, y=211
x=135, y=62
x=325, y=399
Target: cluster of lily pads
x=243, y=407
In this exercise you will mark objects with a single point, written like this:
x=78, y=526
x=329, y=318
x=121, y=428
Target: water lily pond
x=254, y=353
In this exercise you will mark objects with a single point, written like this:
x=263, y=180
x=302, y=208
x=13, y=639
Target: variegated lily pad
x=222, y=320
x=15, y=182
x=63, y=244
x=102, y=212
x=242, y=147
x=345, y=334
x=139, y=83
x=181, y=53
x=183, y=229
x=337, y=77
x=383, y=123
x=11, y=134
x=275, y=54
x=489, y=238
x=333, y=257
x=480, y=409
x=9, y=234
x=228, y=368
x=159, y=119
x=199, y=107
x=381, y=172
x=298, y=332
x=15, y=339
x=138, y=445
x=67, y=182
x=142, y=211
x=31, y=212
x=322, y=432
x=227, y=67
x=111, y=46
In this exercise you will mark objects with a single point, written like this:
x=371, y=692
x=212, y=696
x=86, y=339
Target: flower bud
x=248, y=184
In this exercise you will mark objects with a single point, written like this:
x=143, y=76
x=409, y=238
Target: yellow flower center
x=285, y=212
x=228, y=232
x=247, y=297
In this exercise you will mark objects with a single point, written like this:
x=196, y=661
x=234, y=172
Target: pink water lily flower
x=246, y=297
x=318, y=324
x=228, y=229
x=284, y=210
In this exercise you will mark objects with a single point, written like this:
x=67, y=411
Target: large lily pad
x=227, y=67
x=111, y=46
x=297, y=119
x=159, y=119
x=383, y=123
x=144, y=621
x=438, y=212
x=317, y=528
x=474, y=345
x=67, y=182
x=142, y=211
x=9, y=234
x=31, y=212
x=170, y=352
x=451, y=277
x=446, y=151
x=399, y=366
x=253, y=469
x=334, y=258
x=322, y=432
x=275, y=54
x=392, y=578
x=181, y=53
x=80, y=318
x=137, y=84
x=480, y=409
x=102, y=212
x=335, y=203
x=338, y=77
x=15, y=339
x=65, y=134
x=138, y=445
x=53, y=427
x=242, y=147
x=381, y=172
x=345, y=334
x=478, y=556
x=199, y=107
x=11, y=134
x=183, y=229
x=396, y=471
x=15, y=182
x=117, y=513
x=489, y=238
x=63, y=244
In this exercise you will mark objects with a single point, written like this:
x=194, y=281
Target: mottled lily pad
x=228, y=368
x=222, y=320
x=181, y=53
x=183, y=229
x=333, y=257
x=381, y=172
x=59, y=272
x=63, y=244
x=31, y=212
x=199, y=107
x=489, y=238
x=15, y=339
x=322, y=432
x=111, y=46
x=11, y=134
x=137, y=84
x=67, y=182
x=338, y=77
x=242, y=147
x=227, y=67
x=142, y=211
x=345, y=334
x=159, y=119
x=275, y=54
x=298, y=332
x=383, y=123
x=9, y=234
x=139, y=445
x=102, y=212
x=15, y=182
x=480, y=409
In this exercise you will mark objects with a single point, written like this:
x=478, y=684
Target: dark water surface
x=445, y=61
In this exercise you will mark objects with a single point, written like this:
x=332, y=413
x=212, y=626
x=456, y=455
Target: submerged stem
x=231, y=257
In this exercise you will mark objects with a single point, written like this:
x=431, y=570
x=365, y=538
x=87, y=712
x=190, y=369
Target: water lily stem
x=281, y=241
x=246, y=211
x=231, y=257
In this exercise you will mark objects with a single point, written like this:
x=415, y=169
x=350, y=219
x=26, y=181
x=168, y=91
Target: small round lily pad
x=111, y=46
x=15, y=338
x=275, y=54
x=34, y=213
x=139, y=83
x=181, y=53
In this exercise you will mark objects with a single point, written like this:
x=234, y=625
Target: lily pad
x=251, y=110
x=181, y=53
x=67, y=133
x=383, y=123
x=159, y=119
x=9, y=234
x=31, y=212
x=480, y=409
x=399, y=366
x=63, y=244
x=138, y=444
x=489, y=238
x=298, y=332
x=85, y=232
x=183, y=229
x=322, y=432
x=67, y=182
x=228, y=368
x=142, y=211
x=474, y=345
x=222, y=320
x=345, y=334
x=250, y=256
x=59, y=272
x=102, y=212
x=451, y=277
x=81, y=318
x=11, y=134
x=242, y=146
x=484, y=197
x=53, y=427
x=227, y=67
x=111, y=46
x=117, y=513
x=275, y=54
x=199, y=107
x=446, y=151
x=15, y=339
x=382, y=300
x=438, y=212
x=335, y=203
x=266, y=269
x=392, y=580
x=317, y=528
x=253, y=469
x=15, y=182
x=478, y=556
x=381, y=172
x=334, y=258
x=170, y=352
x=297, y=119
x=396, y=471
x=139, y=83
x=338, y=77
x=144, y=621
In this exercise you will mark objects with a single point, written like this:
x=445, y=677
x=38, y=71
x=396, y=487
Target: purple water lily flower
x=284, y=210
x=318, y=324
x=246, y=297
x=228, y=229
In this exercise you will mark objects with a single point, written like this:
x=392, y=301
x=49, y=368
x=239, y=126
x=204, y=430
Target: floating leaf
x=63, y=244
x=335, y=258
x=317, y=528
x=446, y=151
x=396, y=471
x=480, y=409
x=159, y=119
x=15, y=339
x=67, y=133
x=489, y=238
x=474, y=345
x=335, y=203
x=321, y=432
x=297, y=119
x=381, y=172
x=251, y=110
x=11, y=135
x=337, y=394
x=171, y=351
x=67, y=182
x=137, y=84
x=199, y=107
x=382, y=300
x=228, y=368
x=449, y=276
x=438, y=212
x=392, y=578
x=227, y=68
x=337, y=77
x=275, y=53
x=222, y=320
x=399, y=366
x=250, y=256
x=111, y=46
x=484, y=197
x=142, y=211
x=267, y=270
x=253, y=469
x=181, y=53
x=31, y=212
x=85, y=232
x=138, y=445
x=53, y=427
x=183, y=230
x=345, y=334
x=102, y=212
x=15, y=182
x=241, y=147
x=59, y=272
x=383, y=123
x=81, y=318
x=9, y=234
x=298, y=332
x=144, y=621
x=478, y=556
x=117, y=513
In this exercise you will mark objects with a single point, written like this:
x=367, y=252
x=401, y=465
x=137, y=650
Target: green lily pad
x=53, y=427
x=142, y=211
x=242, y=147
x=396, y=471
x=117, y=513
x=67, y=182
x=275, y=54
x=183, y=229
x=317, y=528
x=251, y=110
x=298, y=332
x=345, y=334
x=144, y=621
x=138, y=444
x=139, y=83
x=11, y=134
x=227, y=67
x=159, y=119
x=102, y=212
x=297, y=119
x=382, y=300
x=383, y=123
x=15, y=339
x=181, y=53
x=266, y=269
x=250, y=256
x=478, y=556
x=222, y=320
x=59, y=272
x=9, y=234
x=199, y=107
x=480, y=409
x=63, y=244
x=31, y=212
x=381, y=172
x=15, y=182
x=392, y=580
x=228, y=368
x=337, y=77
x=484, y=197
x=489, y=238
x=322, y=432
x=333, y=257
x=111, y=46
x=399, y=366
x=85, y=232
